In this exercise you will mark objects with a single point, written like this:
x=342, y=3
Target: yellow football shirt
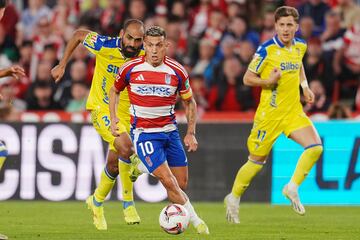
x=108, y=61
x=284, y=98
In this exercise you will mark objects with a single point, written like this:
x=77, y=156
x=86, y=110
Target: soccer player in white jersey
x=153, y=82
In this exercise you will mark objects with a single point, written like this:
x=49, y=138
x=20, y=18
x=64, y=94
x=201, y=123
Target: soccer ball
x=174, y=219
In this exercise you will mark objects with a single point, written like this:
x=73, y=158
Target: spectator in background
x=199, y=93
x=50, y=54
x=206, y=63
x=216, y=27
x=235, y=8
x=78, y=74
x=26, y=51
x=331, y=41
x=79, y=93
x=7, y=45
x=112, y=17
x=313, y=61
x=238, y=28
x=347, y=10
x=41, y=97
x=245, y=50
x=8, y=91
x=316, y=9
x=91, y=16
x=306, y=26
x=177, y=33
x=30, y=17
x=268, y=26
x=321, y=102
x=137, y=10
x=347, y=61
x=10, y=19
x=339, y=111
x=230, y=94
x=45, y=36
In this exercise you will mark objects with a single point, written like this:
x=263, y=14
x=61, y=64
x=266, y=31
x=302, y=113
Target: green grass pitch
x=71, y=220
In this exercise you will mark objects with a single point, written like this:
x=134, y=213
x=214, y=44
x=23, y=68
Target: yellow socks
x=244, y=176
x=127, y=185
x=107, y=182
x=306, y=161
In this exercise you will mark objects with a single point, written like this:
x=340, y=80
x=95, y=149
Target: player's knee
x=315, y=151
x=113, y=168
x=168, y=181
x=124, y=148
x=183, y=183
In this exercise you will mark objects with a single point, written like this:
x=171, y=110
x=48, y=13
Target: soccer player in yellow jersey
x=277, y=68
x=111, y=54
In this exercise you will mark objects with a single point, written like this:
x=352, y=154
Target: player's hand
x=191, y=142
x=309, y=95
x=58, y=72
x=114, y=127
x=274, y=77
x=15, y=71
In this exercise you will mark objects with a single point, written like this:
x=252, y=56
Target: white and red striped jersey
x=153, y=91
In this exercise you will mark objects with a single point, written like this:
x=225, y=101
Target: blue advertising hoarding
x=335, y=179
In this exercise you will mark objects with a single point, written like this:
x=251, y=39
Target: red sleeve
x=122, y=79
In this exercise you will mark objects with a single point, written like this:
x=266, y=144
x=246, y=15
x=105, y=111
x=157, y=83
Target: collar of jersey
x=279, y=43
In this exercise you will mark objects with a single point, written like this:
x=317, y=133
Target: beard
x=130, y=52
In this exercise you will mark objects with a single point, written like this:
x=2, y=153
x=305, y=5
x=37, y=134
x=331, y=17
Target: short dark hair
x=3, y=3
x=286, y=11
x=131, y=21
x=155, y=31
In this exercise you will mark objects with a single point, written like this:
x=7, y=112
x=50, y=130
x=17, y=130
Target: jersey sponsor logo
x=112, y=69
x=103, y=87
x=160, y=91
x=289, y=66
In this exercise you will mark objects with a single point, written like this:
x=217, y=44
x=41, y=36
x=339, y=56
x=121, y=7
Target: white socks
x=293, y=187
x=194, y=218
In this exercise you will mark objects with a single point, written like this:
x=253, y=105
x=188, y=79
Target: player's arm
x=308, y=94
x=79, y=36
x=15, y=71
x=190, y=111
x=113, y=102
x=256, y=66
x=120, y=83
x=252, y=79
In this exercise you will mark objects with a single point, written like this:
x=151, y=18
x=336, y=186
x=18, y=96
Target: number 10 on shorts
x=146, y=148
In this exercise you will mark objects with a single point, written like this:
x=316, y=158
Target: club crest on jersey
x=148, y=161
x=167, y=79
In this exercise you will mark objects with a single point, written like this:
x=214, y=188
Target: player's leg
x=107, y=181
x=260, y=141
x=3, y=153
x=150, y=147
x=177, y=160
x=109, y=174
x=304, y=133
x=124, y=146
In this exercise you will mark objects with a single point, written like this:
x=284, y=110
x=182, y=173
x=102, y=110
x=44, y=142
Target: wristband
x=304, y=84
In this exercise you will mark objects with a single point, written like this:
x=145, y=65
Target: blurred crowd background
x=214, y=39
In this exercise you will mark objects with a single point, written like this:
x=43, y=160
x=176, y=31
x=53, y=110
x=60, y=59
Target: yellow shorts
x=265, y=132
x=101, y=122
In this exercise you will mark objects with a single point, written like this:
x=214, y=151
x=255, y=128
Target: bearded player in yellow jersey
x=277, y=68
x=111, y=54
